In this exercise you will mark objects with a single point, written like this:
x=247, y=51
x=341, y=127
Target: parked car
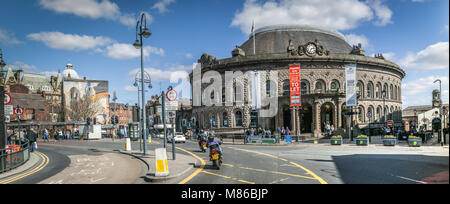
x=179, y=137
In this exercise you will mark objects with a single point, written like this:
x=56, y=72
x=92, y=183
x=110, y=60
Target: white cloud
x=354, y=39
x=337, y=14
x=21, y=65
x=434, y=57
x=8, y=38
x=383, y=13
x=93, y=9
x=130, y=88
x=418, y=91
x=189, y=55
x=128, y=51
x=161, y=6
x=71, y=42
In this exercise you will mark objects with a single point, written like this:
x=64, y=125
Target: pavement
x=30, y=164
x=178, y=167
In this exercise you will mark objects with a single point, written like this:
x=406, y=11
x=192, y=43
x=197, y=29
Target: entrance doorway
x=287, y=117
x=306, y=121
x=326, y=115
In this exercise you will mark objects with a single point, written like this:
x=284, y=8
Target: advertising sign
x=294, y=78
x=350, y=80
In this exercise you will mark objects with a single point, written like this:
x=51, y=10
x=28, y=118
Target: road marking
x=295, y=164
x=227, y=177
x=230, y=165
x=278, y=181
x=243, y=181
x=42, y=165
x=310, y=173
x=411, y=180
x=207, y=172
x=197, y=171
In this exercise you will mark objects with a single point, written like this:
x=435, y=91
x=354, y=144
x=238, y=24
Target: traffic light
x=112, y=120
x=95, y=121
x=88, y=120
x=116, y=119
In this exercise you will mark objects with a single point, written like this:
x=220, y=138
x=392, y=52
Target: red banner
x=294, y=77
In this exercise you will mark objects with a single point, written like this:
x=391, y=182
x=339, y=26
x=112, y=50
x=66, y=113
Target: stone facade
x=323, y=90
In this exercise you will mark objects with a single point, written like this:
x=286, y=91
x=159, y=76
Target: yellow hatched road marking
x=42, y=165
x=197, y=171
x=227, y=177
x=295, y=164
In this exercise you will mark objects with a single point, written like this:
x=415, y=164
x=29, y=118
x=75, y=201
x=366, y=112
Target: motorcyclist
x=201, y=137
x=214, y=145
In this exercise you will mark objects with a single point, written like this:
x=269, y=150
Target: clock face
x=311, y=49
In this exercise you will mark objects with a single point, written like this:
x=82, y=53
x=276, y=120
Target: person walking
x=31, y=136
x=288, y=131
x=60, y=135
x=46, y=135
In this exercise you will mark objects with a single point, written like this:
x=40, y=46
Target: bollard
x=162, y=169
x=128, y=144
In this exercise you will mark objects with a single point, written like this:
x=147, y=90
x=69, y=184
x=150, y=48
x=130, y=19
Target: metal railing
x=273, y=139
x=14, y=156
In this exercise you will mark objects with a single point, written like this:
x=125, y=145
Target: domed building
x=323, y=55
x=70, y=73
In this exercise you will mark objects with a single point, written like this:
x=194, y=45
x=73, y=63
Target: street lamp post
x=138, y=80
x=441, y=131
x=142, y=31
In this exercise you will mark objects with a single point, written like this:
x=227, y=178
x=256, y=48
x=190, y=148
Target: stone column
x=218, y=121
x=316, y=114
x=339, y=114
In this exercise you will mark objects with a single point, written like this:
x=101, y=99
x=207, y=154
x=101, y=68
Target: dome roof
x=69, y=71
x=275, y=39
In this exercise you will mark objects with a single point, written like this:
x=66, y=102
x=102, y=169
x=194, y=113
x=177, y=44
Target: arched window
x=224, y=119
x=286, y=88
x=238, y=119
x=379, y=112
x=378, y=91
x=334, y=86
x=304, y=87
x=320, y=86
x=370, y=90
x=391, y=92
x=371, y=114
x=360, y=89
x=361, y=114
x=386, y=89
x=269, y=91
x=395, y=93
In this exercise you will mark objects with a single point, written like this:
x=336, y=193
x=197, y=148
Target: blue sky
x=95, y=35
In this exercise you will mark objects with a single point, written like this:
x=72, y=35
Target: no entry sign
x=172, y=95
x=7, y=99
x=18, y=111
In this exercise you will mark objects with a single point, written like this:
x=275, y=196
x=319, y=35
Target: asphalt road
x=298, y=164
x=310, y=164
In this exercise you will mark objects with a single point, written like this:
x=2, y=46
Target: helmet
x=210, y=138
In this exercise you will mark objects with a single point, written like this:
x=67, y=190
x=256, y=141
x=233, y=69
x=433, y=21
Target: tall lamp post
x=138, y=80
x=142, y=31
x=440, y=111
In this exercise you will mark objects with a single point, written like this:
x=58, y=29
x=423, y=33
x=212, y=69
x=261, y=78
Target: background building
x=323, y=55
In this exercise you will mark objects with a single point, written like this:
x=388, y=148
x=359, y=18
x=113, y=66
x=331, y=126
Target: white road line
x=411, y=180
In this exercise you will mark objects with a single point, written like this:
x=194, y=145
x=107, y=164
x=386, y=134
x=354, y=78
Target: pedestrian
x=332, y=130
x=31, y=136
x=46, y=135
x=288, y=131
x=60, y=135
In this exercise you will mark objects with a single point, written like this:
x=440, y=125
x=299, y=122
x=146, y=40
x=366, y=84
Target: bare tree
x=83, y=108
